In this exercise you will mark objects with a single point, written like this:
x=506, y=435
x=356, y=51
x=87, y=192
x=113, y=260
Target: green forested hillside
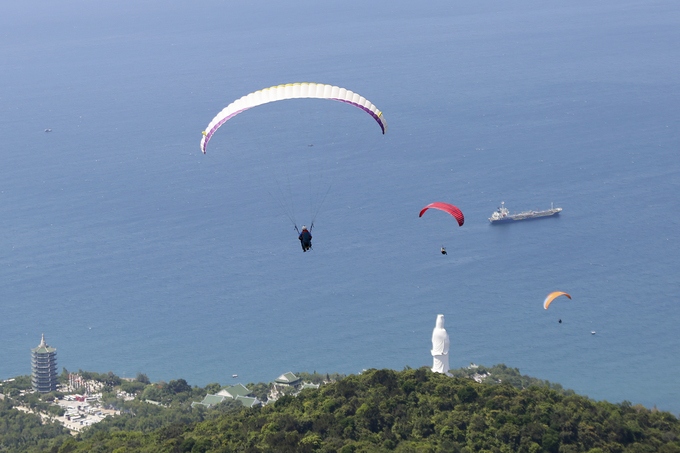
x=21, y=431
x=409, y=411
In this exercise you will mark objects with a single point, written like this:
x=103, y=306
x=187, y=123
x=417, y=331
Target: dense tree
x=21, y=431
x=143, y=378
x=132, y=387
x=414, y=410
x=417, y=410
x=15, y=386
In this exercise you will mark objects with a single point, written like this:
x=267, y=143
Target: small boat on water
x=502, y=214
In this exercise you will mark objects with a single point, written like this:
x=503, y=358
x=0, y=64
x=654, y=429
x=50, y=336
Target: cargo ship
x=502, y=215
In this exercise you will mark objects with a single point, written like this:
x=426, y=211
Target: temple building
x=44, y=367
x=238, y=393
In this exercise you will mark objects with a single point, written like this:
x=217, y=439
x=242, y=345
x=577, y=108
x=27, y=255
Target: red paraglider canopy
x=446, y=207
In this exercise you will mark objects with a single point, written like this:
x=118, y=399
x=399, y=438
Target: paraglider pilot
x=444, y=251
x=305, y=239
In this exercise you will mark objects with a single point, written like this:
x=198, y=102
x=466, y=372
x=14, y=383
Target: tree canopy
x=413, y=410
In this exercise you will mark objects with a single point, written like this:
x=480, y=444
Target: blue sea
x=131, y=251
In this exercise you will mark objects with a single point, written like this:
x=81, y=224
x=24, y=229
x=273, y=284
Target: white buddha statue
x=440, y=347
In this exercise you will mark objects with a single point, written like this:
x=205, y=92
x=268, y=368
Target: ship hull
x=531, y=215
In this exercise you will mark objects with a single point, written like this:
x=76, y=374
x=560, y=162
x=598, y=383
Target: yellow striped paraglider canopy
x=552, y=296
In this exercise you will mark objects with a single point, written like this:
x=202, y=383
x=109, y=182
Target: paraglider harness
x=304, y=241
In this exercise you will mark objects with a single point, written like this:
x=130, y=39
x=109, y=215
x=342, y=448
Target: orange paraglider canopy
x=552, y=296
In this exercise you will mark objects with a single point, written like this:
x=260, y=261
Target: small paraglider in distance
x=552, y=296
x=48, y=130
x=449, y=209
x=305, y=238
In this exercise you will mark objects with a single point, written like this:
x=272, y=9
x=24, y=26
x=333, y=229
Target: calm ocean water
x=133, y=252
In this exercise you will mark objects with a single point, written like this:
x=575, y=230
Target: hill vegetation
x=413, y=410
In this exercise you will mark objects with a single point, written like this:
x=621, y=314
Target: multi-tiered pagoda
x=44, y=367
